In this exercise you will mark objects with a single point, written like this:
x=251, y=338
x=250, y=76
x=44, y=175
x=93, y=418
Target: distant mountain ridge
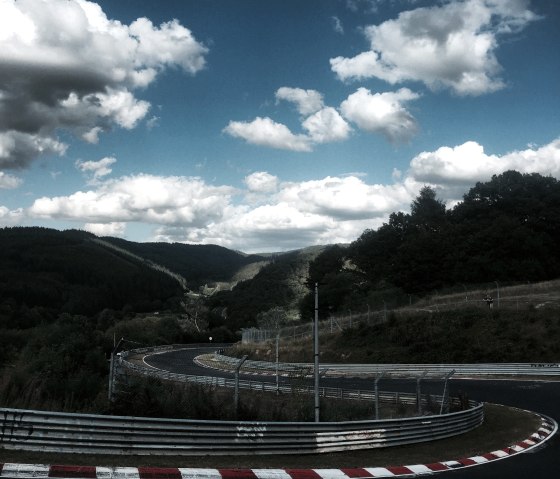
x=75, y=271
x=199, y=265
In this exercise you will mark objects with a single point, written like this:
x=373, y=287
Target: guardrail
x=504, y=369
x=332, y=370
x=97, y=434
x=255, y=385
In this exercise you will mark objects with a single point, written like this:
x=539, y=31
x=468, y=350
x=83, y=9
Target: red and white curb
x=548, y=428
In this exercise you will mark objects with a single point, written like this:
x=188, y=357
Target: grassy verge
x=462, y=336
x=502, y=427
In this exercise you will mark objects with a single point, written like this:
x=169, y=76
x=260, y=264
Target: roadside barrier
x=331, y=370
x=98, y=434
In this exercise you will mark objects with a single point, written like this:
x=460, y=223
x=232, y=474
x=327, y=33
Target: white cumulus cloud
x=269, y=214
x=321, y=124
x=452, y=45
x=64, y=65
x=114, y=229
x=261, y=182
x=468, y=163
x=267, y=132
x=326, y=125
x=382, y=113
x=9, y=182
x=307, y=101
x=97, y=169
x=143, y=198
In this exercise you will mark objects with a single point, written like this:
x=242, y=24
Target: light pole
x=498, y=291
x=316, y=353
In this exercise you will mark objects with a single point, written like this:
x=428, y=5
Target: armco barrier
x=83, y=433
x=486, y=369
x=263, y=386
x=97, y=434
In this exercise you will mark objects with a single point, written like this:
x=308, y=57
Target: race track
x=539, y=396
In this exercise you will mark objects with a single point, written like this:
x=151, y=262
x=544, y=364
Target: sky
x=266, y=126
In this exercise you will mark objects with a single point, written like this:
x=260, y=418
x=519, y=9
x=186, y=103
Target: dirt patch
x=503, y=426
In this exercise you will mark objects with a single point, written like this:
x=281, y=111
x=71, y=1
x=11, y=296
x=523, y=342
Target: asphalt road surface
x=539, y=396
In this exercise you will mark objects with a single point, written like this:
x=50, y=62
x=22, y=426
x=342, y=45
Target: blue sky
x=266, y=125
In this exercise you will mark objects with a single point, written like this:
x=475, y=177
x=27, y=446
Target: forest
x=65, y=299
x=505, y=230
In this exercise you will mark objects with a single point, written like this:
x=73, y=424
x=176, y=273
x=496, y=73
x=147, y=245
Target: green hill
x=198, y=264
x=506, y=231
x=278, y=287
x=46, y=271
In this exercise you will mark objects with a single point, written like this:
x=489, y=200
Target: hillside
x=65, y=297
x=45, y=271
x=277, y=289
x=505, y=230
x=198, y=264
x=453, y=328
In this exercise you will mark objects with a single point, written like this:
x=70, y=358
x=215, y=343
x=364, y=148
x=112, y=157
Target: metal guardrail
x=255, y=385
x=97, y=434
x=503, y=369
x=333, y=370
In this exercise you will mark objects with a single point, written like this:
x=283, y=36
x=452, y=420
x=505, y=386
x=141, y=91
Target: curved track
x=539, y=396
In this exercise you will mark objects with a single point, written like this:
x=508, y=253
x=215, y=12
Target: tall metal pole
x=236, y=388
x=316, y=353
x=277, y=373
x=111, y=376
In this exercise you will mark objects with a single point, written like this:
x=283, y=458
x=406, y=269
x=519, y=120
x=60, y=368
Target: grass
x=503, y=426
x=468, y=335
x=445, y=328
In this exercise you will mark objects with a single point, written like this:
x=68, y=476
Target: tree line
x=506, y=230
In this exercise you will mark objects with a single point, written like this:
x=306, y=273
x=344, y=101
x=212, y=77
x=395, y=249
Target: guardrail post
x=377, y=379
x=443, y=397
x=419, y=392
x=236, y=390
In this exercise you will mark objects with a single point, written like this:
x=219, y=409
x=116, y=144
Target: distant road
x=539, y=396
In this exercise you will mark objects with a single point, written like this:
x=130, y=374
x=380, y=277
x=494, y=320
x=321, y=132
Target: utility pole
x=316, y=353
